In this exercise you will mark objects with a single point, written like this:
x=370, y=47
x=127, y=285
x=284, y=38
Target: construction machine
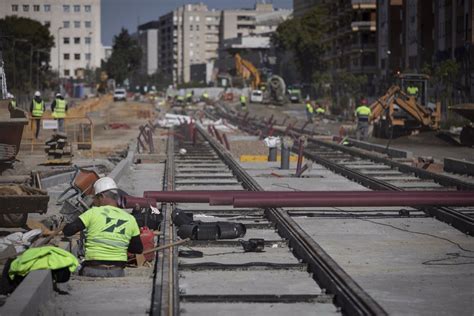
x=247, y=70
x=399, y=113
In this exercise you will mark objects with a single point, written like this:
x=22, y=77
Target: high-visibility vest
x=37, y=108
x=320, y=110
x=413, y=90
x=309, y=108
x=205, y=95
x=60, y=109
x=243, y=99
x=363, y=113
x=13, y=103
x=42, y=258
x=109, y=230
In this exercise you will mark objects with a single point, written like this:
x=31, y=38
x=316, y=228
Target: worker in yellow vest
x=320, y=111
x=36, y=110
x=362, y=114
x=243, y=102
x=412, y=90
x=12, y=103
x=309, y=111
x=110, y=233
x=59, y=108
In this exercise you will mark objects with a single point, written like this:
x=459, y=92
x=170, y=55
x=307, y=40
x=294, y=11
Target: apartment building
x=351, y=38
x=191, y=36
x=147, y=36
x=75, y=26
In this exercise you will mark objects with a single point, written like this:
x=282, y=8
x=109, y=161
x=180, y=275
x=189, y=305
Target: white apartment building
x=75, y=25
x=191, y=35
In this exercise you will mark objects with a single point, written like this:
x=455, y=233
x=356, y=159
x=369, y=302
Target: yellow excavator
x=405, y=108
x=247, y=70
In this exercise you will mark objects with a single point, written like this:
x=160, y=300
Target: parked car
x=120, y=94
x=256, y=96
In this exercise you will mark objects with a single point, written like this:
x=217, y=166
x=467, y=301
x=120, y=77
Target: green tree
x=125, y=58
x=26, y=45
x=302, y=36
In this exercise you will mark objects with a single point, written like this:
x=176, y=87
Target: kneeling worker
x=110, y=233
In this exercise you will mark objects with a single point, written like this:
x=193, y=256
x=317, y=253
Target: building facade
x=75, y=25
x=300, y=7
x=148, y=40
x=192, y=35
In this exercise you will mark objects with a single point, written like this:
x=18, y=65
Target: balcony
x=363, y=26
x=364, y=4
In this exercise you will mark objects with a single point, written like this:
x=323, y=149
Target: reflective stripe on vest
x=60, y=109
x=37, y=108
x=309, y=108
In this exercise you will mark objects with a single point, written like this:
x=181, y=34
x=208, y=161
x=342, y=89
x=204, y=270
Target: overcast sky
x=129, y=13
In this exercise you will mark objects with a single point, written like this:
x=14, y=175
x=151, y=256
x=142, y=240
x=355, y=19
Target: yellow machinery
x=398, y=113
x=247, y=70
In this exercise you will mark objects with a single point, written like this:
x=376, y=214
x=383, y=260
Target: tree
x=303, y=37
x=26, y=45
x=125, y=58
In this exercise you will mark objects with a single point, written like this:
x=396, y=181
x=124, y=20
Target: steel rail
x=458, y=220
x=348, y=294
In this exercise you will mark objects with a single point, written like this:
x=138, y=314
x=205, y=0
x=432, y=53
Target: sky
x=129, y=13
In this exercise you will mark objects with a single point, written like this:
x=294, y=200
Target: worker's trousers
x=35, y=126
x=100, y=272
x=309, y=116
x=61, y=125
x=362, y=132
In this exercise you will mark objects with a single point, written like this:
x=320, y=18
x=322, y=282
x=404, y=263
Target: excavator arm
x=246, y=70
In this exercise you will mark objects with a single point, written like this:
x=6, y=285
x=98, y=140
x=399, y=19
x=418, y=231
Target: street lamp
x=59, y=58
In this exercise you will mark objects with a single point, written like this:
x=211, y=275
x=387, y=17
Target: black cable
x=451, y=255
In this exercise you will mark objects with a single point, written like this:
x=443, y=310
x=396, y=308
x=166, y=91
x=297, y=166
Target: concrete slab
x=30, y=295
x=248, y=282
x=274, y=309
x=388, y=263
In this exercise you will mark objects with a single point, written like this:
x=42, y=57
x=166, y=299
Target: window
x=66, y=56
x=67, y=72
x=88, y=24
x=66, y=8
x=47, y=23
x=77, y=24
x=66, y=24
x=77, y=8
x=88, y=56
x=87, y=8
x=77, y=40
x=87, y=40
x=47, y=8
x=77, y=56
x=66, y=40
x=36, y=8
x=190, y=27
x=26, y=8
x=197, y=27
x=14, y=7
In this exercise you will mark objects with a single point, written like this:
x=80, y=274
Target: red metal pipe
x=226, y=142
x=218, y=136
x=130, y=201
x=351, y=201
x=300, y=156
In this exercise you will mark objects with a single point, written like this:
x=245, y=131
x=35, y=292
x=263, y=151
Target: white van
x=256, y=96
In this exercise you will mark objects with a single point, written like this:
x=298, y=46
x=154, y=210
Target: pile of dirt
x=17, y=189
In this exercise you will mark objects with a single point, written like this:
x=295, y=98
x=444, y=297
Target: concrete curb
x=36, y=289
x=392, y=152
x=122, y=166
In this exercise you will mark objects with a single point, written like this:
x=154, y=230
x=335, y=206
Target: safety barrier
x=79, y=131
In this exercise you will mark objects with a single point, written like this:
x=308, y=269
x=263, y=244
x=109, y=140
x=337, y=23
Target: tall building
x=351, y=38
x=148, y=41
x=75, y=26
x=190, y=36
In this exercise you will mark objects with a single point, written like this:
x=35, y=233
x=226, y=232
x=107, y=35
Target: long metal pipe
x=308, y=198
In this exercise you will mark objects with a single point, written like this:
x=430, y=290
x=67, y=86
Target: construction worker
x=412, y=90
x=12, y=103
x=189, y=97
x=205, y=96
x=110, y=233
x=36, y=110
x=59, y=108
x=309, y=111
x=362, y=114
x=320, y=111
x=243, y=102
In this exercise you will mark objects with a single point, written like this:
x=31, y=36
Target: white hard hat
x=10, y=96
x=104, y=184
x=183, y=151
x=37, y=94
x=58, y=94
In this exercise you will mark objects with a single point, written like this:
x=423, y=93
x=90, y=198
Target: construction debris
x=58, y=149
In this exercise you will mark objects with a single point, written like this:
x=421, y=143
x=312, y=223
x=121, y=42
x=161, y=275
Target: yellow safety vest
x=363, y=112
x=42, y=258
x=13, y=103
x=243, y=99
x=412, y=90
x=205, y=95
x=309, y=108
x=320, y=110
x=60, y=109
x=37, y=108
x=108, y=233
